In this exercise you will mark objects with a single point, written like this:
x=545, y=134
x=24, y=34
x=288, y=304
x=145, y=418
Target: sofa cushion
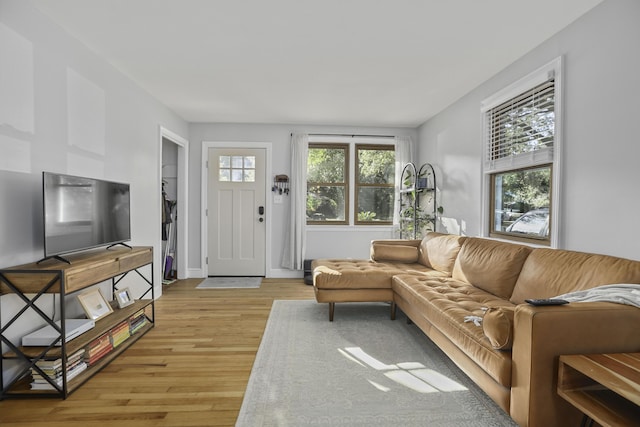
x=563, y=271
x=444, y=303
x=398, y=253
x=361, y=274
x=497, y=325
x=439, y=251
x=490, y=265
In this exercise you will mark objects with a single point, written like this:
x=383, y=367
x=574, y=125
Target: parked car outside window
x=532, y=223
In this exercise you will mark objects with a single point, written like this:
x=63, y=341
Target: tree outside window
x=375, y=184
x=327, y=184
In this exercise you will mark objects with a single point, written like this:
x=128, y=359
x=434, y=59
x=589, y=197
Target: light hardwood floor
x=192, y=369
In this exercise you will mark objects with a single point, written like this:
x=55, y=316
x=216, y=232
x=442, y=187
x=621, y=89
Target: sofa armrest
x=542, y=334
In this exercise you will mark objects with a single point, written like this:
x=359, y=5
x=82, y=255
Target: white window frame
x=352, y=141
x=552, y=69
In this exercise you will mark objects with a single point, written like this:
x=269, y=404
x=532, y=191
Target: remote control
x=547, y=301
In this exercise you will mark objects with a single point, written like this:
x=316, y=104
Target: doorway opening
x=174, y=225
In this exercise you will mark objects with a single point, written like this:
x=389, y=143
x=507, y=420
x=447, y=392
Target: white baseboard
x=275, y=273
x=195, y=273
x=283, y=273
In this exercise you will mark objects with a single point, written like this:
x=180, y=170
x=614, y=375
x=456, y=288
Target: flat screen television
x=83, y=213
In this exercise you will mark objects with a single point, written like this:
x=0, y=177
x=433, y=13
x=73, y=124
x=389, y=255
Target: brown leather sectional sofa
x=513, y=353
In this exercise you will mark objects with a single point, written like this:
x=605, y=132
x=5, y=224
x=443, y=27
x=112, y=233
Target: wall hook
x=281, y=184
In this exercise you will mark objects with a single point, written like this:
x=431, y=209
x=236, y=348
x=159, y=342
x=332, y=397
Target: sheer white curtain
x=405, y=153
x=296, y=243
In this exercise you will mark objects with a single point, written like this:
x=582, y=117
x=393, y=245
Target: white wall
x=63, y=109
x=599, y=200
x=342, y=242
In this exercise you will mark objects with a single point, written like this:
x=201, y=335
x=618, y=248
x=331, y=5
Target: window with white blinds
x=521, y=167
x=521, y=131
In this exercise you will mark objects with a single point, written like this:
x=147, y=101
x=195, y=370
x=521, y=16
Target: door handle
x=261, y=210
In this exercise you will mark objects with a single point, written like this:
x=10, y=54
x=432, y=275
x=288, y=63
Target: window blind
x=521, y=130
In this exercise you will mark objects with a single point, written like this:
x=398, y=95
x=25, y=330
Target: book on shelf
x=53, y=370
x=137, y=321
x=56, y=364
x=43, y=384
x=55, y=373
x=137, y=314
x=98, y=348
x=120, y=328
x=137, y=324
x=39, y=379
x=98, y=344
x=120, y=333
x=95, y=357
x=120, y=339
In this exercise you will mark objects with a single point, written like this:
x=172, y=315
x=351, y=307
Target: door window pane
x=236, y=175
x=237, y=168
x=249, y=162
x=236, y=162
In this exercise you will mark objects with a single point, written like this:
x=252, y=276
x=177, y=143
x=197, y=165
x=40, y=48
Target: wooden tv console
x=30, y=282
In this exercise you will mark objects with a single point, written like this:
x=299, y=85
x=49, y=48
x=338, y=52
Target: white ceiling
x=334, y=62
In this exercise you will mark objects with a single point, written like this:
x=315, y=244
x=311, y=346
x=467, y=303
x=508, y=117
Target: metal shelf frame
x=414, y=184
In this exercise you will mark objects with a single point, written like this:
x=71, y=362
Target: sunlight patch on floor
x=413, y=375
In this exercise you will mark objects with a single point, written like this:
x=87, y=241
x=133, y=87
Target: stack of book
x=120, y=333
x=97, y=349
x=137, y=321
x=54, y=371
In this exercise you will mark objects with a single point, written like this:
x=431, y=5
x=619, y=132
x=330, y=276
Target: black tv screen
x=82, y=213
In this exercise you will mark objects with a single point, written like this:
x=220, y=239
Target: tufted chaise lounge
x=345, y=280
x=512, y=353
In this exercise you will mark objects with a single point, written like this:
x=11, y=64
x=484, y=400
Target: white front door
x=236, y=212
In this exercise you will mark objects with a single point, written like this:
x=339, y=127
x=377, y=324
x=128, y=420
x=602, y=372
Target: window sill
x=537, y=243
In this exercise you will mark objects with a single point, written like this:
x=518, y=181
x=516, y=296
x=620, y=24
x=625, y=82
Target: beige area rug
x=363, y=369
x=230, y=283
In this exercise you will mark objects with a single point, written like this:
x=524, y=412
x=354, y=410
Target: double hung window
x=520, y=165
x=328, y=184
x=374, y=181
x=338, y=185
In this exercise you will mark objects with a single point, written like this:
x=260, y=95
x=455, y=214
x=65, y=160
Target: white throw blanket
x=621, y=293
